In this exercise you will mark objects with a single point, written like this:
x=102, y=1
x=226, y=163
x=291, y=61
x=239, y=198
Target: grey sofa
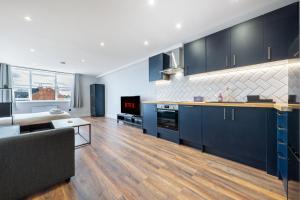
x=30, y=163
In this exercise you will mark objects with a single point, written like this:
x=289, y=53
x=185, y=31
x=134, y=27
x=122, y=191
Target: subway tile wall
x=270, y=81
x=294, y=80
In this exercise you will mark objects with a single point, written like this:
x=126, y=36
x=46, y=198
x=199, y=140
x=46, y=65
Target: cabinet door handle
x=224, y=114
x=269, y=53
x=188, y=106
x=281, y=129
x=233, y=59
x=226, y=61
x=281, y=157
x=232, y=114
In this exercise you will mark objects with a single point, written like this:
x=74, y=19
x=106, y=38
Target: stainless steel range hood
x=176, y=62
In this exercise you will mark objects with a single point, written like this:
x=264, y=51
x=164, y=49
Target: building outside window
x=40, y=85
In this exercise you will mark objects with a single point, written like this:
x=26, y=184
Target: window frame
x=29, y=87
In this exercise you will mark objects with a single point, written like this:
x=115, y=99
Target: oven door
x=167, y=119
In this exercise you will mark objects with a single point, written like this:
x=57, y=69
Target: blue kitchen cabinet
x=216, y=131
x=247, y=43
x=237, y=133
x=190, y=125
x=150, y=119
x=195, y=57
x=157, y=64
x=288, y=152
x=218, y=51
x=281, y=33
x=249, y=129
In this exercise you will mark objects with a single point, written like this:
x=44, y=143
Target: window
x=38, y=85
x=64, y=83
x=21, y=84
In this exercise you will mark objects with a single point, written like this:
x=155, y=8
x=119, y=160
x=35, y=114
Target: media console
x=130, y=119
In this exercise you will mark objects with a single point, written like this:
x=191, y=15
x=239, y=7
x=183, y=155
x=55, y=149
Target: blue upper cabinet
x=195, y=57
x=218, y=51
x=247, y=43
x=190, y=128
x=157, y=64
x=270, y=37
x=281, y=33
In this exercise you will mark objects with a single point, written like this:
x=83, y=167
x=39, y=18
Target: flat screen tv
x=131, y=105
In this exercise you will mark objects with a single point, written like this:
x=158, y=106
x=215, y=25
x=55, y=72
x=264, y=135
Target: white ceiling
x=71, y=30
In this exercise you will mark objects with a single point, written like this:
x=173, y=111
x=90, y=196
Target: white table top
x=71, y=122
x=8, y=131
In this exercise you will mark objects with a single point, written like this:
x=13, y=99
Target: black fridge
x=97, y=92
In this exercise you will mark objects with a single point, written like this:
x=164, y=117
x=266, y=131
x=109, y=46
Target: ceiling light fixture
x=82, y=60
x=27, y=18
x=151, y=2
x=178, y=26
x=146, y=43
x=102, y=44
x=32, y=50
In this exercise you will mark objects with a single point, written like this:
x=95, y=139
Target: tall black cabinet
x=97, y=92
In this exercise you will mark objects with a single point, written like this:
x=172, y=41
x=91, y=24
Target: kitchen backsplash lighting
x=270, y=81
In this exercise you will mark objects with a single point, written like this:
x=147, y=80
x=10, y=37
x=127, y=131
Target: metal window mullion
x=30, y=86
x=56, y=86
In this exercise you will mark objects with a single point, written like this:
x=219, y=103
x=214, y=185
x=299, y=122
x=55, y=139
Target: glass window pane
x=64, y=94
x=43, y=79
x=20, y=77
x=43, y=85
x=65, y=80
x=21, y=94
x=43, y=93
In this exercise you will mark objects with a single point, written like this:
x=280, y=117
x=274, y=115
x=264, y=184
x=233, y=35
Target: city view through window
x=37, y=85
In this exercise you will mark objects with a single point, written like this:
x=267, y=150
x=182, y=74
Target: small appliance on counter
x=257, y=99
x=293, y=99
x=198, y=99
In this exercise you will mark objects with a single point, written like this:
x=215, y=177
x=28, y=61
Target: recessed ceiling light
x=27, y=18
x=32, y=50
x=151, y=2
x=82, y=60
x=146, y=43
x=102, y=44
x=178, y=26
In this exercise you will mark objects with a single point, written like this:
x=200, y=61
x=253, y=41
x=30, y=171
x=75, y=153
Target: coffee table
x=75, y=123
x=9, y=131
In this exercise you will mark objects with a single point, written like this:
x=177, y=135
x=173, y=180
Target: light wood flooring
x=122, y=163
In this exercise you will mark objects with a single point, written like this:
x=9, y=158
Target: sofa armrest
x=32, y=162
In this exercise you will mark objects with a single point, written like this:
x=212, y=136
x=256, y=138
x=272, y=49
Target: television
x=131, y=105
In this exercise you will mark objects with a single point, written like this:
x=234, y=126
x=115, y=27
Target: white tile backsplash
x=269, y=80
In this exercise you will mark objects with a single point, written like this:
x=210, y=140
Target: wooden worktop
x=278, y=106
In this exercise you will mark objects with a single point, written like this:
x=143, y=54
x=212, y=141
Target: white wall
x=26, y=107
x=128, y=82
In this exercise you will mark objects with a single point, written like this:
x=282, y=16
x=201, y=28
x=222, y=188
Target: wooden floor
x=122, y=163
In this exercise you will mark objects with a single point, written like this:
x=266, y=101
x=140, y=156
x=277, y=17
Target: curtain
x=77, y=96
x=5, y=82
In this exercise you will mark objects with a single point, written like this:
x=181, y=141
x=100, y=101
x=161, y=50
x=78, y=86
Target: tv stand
x=130, y=119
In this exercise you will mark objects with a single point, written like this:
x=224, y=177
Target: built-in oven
x=167, y=116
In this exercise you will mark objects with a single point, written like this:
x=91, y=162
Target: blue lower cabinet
x=150, y=119
x=190, y=125
x=237, y=133
x=168, y=134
